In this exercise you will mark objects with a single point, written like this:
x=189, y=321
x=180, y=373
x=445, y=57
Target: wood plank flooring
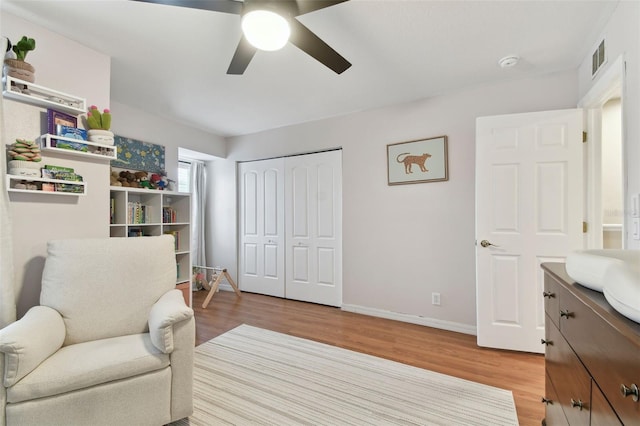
x=446, y=352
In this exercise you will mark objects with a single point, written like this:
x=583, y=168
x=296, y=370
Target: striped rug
x=259, y=377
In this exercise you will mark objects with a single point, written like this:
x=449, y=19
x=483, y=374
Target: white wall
x=402, y=243
x=221, y=203
x=137, y=124
x=622, y=35
x=62, y=65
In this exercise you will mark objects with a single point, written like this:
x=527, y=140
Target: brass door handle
x=485, y=243
x=546, y=342
x=548, y=294
x=565, y=313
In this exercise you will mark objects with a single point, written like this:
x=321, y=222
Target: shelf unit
x=13, y=180
x=139, y=212
x=48, y=145
x=43, y=96
x=49, y=98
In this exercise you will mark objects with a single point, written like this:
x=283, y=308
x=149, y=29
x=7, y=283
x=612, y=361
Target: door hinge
x=585, y=227
x=584, y=137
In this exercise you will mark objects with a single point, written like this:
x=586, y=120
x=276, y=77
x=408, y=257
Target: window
x=184, y=176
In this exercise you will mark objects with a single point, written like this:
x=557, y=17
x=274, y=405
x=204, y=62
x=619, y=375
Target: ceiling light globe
x=265, y=30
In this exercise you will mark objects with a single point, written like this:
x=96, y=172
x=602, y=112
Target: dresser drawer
x=601, y=412
x=568, y=377
x=611, y=358
x=553, y=413
x=551, y=297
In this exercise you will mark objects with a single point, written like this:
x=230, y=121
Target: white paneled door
x=313, y=199
x=290, y=242
x=261, y=222
x=528, y=211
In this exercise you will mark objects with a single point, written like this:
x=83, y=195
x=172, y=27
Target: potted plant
x=99, y=125
x=17, y=67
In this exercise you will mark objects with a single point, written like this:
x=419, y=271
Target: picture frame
x=55, y=118
x=417, y=161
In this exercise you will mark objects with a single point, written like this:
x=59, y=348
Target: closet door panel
x=313, y=200
x=261, y=234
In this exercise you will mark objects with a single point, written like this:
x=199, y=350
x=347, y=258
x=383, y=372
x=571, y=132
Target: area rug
x=259, y=377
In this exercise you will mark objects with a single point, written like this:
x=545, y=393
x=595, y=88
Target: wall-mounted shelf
x=48, y=143
x=56, y=185
x=42, y=96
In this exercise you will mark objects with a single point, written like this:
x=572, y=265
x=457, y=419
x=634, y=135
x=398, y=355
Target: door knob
x=485, y=243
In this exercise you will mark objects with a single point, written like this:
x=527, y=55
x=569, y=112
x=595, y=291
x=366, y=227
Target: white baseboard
x=412, y=319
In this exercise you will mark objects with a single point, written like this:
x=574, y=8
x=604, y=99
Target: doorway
x=605, y=182
x=611, y=176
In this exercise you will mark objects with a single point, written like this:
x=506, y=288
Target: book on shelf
x=135, y=232
x=138, y=213
x=176, y=238
x=169, y=215
x=112, y=208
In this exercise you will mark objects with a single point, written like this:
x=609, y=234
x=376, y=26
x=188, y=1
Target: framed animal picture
x=423, y=160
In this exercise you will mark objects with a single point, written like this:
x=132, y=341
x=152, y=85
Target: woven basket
x=20, y=69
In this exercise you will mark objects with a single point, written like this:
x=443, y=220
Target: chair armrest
x=29, y=341
x=169, y=310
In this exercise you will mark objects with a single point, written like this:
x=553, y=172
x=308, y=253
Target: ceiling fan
x=286, y=11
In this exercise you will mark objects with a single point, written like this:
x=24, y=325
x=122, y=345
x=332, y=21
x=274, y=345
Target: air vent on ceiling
x=598, y=58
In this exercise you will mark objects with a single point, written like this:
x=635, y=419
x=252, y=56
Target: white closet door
x=313, y=199
x=261, y=222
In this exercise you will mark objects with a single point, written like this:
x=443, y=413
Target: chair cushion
x=105, y=287
x=88, y=364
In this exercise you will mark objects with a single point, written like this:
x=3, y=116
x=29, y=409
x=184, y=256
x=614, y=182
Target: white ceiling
x=172, y=61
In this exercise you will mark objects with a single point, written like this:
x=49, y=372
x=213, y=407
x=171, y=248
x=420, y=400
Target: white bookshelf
x=150, y=221
x=41, y=183
x=42, y=96
x=49, y=144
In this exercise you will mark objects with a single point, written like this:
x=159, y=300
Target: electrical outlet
x=435, y=299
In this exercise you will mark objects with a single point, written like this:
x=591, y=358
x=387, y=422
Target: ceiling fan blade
x=310, y=43
x=242, y=57
x=225, y=6
x=306, y=6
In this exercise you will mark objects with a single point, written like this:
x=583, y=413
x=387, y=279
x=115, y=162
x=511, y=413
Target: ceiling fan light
x=265, y=30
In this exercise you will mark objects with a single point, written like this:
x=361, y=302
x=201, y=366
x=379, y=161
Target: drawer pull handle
x=548, y=294
x=547, y=401
x=546, y=342
x=565, y=313
x=577, y=403
x=633, y=391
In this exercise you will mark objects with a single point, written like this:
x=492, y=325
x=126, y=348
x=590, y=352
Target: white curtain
x=198, y=204
x=7, y=288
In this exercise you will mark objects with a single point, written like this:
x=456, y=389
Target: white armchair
x=110, y=344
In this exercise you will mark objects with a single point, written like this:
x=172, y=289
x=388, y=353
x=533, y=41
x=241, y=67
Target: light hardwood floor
x=446, y=352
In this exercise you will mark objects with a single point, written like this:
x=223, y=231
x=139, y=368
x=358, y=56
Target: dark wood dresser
x=592, y=356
